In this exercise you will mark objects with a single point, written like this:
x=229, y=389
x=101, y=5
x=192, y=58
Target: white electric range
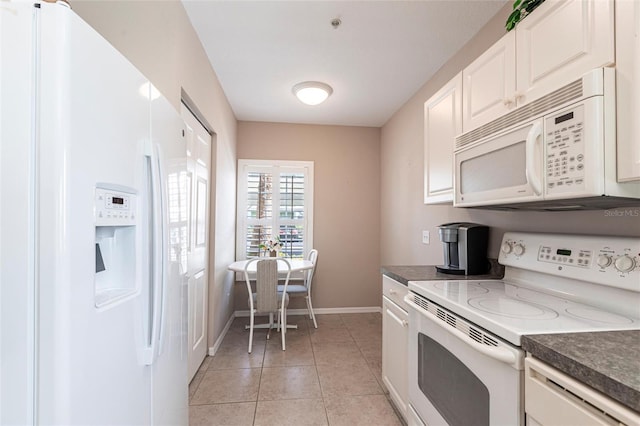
x=465, y=335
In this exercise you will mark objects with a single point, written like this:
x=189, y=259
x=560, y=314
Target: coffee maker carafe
x=465, y=248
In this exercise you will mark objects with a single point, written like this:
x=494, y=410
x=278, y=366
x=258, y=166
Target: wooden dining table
x=297, y=265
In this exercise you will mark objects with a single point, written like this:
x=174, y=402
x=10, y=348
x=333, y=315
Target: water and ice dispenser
x=116, y=220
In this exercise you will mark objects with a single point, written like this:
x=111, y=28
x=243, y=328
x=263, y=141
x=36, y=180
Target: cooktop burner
x=513, y=308
x=597, y=315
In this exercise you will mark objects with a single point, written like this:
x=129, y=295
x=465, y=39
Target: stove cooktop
x=511, y=311
x=553, y=283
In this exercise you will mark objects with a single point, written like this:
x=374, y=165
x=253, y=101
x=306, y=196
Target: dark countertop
x=404, y=274
x=608, y=361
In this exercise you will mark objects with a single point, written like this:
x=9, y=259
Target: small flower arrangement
x=272, y=245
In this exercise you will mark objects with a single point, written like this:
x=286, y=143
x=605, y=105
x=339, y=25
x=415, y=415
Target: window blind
x=275, y=201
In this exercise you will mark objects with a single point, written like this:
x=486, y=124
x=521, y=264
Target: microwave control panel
x=565, y=148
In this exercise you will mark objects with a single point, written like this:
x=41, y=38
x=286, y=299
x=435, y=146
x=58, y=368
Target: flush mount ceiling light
x=312, y=92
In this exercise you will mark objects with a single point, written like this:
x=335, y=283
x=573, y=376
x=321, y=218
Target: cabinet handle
x=402, y=322
x=519, y=96
x=507, y=101
x=392, y=291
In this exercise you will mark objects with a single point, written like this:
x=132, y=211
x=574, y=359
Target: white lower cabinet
x=395, y=328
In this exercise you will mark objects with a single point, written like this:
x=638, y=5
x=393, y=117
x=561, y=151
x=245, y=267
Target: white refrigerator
x=93, y=229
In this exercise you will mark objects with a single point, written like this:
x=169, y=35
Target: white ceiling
x=383, y=52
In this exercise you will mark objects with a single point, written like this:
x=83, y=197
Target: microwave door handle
x=533, y=138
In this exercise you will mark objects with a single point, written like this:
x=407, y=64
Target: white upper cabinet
x=442, y=123
x=557, y=43
x=628, y=89
x=489, y=84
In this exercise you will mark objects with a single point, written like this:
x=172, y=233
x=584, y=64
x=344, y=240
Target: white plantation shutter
x=275, y=199
x=258, y=210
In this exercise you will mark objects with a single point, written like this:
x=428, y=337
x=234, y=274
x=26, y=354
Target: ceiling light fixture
x=312, y=92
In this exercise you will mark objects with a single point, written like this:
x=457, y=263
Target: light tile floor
x=327, y=376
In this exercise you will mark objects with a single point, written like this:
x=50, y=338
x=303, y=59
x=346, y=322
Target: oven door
x=501, y=169
x=455, y=380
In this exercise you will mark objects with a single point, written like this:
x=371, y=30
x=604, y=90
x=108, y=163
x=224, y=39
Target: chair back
x=266, y=283
x=267, y=286
x=313, y=258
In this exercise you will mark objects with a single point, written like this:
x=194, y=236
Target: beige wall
x=404, y=215
x=157, y=37
x=346, y=204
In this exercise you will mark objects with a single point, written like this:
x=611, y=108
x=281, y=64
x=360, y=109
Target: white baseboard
x=322, y=311
x=213, y=349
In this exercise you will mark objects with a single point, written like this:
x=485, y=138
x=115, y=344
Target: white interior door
x=198, y=142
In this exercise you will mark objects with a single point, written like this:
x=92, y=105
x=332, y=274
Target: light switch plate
x=425, y=237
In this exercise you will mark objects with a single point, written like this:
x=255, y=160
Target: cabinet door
x=489, y=84
x=442, y=123
x=559, y=42
x=628, y=89
x=395, y=329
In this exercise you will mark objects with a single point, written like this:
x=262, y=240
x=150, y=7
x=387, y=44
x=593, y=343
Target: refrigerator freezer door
x=17, y=226
x=170, y=386
x=93, y=123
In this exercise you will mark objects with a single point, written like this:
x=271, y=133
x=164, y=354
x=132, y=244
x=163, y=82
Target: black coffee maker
x=465, y=248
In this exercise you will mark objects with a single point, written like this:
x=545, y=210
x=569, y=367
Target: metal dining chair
x=304, y=289
x=267, y=299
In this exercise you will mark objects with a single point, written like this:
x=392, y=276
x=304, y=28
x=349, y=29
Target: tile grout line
x=315, y=366
x=382, y=387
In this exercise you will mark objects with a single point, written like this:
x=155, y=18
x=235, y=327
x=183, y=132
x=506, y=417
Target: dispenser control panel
x=114, y=208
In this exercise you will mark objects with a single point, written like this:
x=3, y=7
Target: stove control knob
x=604, y=260
x=506, y=248
x=518, y=249
x=625, y=263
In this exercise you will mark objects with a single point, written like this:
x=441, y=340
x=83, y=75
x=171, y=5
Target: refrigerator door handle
x=163, y=248
x=155, y=202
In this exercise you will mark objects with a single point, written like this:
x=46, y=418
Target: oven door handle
x=497, y=353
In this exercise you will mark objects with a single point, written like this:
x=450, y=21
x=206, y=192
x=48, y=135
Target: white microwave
x=555, y=153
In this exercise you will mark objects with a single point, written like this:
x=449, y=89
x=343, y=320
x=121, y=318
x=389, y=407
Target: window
x=275, y=199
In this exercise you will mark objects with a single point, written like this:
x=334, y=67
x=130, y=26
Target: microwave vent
x=568, y=93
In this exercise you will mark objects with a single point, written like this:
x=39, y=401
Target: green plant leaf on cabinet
x=521, y=8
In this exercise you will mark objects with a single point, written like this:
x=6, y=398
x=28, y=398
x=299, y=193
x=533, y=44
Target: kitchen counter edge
x=606, y=360
x=405, y=273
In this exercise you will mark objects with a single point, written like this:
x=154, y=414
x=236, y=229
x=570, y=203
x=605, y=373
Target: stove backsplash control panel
x=565, y=256
x=613, y=261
